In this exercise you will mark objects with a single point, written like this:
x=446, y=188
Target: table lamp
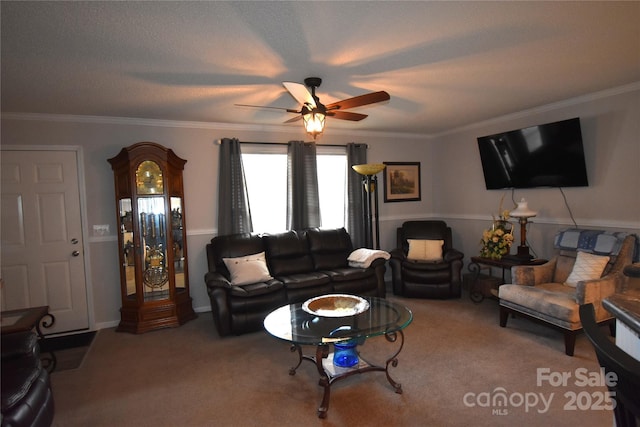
x=523, y=213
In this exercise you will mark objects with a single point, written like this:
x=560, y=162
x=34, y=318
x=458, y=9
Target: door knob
x=75, y=253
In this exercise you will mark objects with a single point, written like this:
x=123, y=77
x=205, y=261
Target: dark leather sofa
x=27, y=399
x=303, y=264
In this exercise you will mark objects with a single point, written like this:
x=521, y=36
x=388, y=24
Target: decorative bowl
x=336, y=305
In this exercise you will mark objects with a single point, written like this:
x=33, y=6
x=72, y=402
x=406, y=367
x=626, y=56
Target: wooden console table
x=480, y=263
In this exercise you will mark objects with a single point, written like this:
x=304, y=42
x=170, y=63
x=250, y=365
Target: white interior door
x=42, y=243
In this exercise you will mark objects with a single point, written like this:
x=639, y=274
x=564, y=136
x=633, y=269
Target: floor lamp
x=370, y=201
x=523, y=213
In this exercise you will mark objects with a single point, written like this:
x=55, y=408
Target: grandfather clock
x=152, y=238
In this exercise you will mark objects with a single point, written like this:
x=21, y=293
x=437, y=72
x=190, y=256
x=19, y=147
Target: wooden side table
x=28, y=319
x=480, y=263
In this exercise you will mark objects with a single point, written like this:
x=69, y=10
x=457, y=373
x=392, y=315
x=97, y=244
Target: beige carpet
x=455, y=357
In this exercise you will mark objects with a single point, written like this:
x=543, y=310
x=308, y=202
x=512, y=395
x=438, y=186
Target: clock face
x=149, y=178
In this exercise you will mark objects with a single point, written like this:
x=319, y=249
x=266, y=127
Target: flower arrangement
x=496, y=241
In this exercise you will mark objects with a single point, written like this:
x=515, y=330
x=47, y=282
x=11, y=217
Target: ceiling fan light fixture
x=313, y=113
x=314, y=123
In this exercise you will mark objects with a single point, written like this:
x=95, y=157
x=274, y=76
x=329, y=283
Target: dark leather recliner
x=27, y=399
x=426, y=279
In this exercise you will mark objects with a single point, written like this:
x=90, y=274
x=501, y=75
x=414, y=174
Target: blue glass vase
x=345, y=354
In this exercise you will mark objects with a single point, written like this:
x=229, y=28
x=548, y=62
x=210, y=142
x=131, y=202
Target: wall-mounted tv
x=548, y=155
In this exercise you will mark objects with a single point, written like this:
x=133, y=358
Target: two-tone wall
x=452, y=182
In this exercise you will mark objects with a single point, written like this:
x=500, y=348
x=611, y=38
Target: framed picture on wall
x=402, y=182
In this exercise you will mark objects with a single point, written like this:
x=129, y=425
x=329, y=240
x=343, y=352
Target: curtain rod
x=219, y=141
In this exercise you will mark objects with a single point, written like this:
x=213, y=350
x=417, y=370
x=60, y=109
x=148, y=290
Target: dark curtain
x=234, y=215
x=303, y=204
x=356, y=155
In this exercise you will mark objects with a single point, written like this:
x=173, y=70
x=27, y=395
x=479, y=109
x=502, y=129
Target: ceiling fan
x=313, y=112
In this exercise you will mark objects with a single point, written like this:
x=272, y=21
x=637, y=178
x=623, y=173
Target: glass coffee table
x=294, y=324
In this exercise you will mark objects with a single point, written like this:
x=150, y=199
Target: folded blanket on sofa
x=363, y=257
x=597, y=242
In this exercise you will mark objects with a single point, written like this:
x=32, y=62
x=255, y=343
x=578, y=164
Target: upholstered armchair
x=425, y=264
x=586, y=268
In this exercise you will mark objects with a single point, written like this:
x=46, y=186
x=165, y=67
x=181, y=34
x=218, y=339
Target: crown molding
x=132, y=121
x=545, y=108
x=330, y=131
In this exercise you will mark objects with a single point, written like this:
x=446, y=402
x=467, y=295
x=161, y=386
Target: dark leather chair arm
x=19, y=344
x=380, y=267
x=220, y=310
x=397, y=257
x=456, y=275
x=27, y=399
x=214, y=279
x=398, y=254
x=451, y=255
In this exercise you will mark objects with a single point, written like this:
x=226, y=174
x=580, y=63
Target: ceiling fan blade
x=358, y=101
x=289, y=110
x=294, y=119
x=300, y=93
x=346, y=115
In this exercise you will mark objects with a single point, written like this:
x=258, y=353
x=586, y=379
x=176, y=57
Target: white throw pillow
x=586, y=267
x=425, y=250
x=248, y=269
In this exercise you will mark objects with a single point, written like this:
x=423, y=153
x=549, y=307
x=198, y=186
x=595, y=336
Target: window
x=332, y=189
x=265, y=169
x=266, y=177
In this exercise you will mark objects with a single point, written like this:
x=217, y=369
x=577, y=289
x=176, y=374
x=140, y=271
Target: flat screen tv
x=548, y=155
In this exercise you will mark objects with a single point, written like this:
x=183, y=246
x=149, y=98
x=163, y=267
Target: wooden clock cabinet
x=152, y=238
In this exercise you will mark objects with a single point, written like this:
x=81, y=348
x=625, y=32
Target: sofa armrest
x=378, y=262
x=20, y=344
x=531, y=275
x=216, y=280
x=220, y=310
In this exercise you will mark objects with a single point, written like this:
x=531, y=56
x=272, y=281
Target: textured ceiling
x=445, y=64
